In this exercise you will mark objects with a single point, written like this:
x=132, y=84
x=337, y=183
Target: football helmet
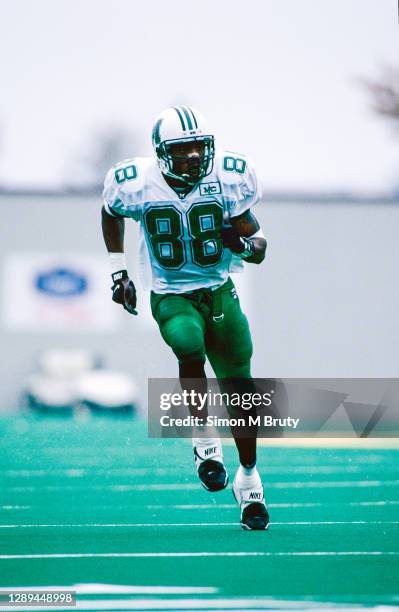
x=183, y=145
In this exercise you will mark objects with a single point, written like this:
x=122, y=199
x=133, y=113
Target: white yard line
x=332, y=442
x=246, y=605
x=218, y=603
x=167, y=471
x=332, y=483
x=15, y=507
x=283, y=505
x=202, y=554
x=225, y=506
x=152, y=525
x=295, y=484
x=125, y=589
x=112, y=525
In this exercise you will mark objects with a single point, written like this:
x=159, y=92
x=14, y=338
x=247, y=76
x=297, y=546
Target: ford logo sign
x=61, y=283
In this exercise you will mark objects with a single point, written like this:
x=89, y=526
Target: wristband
x=119, y=275
x=248, y=250
x=117, y=262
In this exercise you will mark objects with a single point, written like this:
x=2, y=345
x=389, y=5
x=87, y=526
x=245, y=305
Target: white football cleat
x=208, y=458
x=254, y=514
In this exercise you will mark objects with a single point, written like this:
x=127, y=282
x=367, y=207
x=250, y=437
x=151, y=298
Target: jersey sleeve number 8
x=234, y=164
x=127, y=173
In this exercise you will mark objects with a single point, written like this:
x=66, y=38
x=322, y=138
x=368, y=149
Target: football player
x=194, y=206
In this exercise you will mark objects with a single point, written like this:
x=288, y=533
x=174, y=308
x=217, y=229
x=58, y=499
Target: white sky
x=275, y=78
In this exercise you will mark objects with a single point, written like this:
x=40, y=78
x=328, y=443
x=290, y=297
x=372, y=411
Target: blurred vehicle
x=70, y=380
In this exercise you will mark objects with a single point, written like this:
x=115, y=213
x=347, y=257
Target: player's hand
x=231, y=238
x=124, y=291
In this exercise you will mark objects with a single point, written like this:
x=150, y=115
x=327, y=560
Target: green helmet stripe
x=181, y=118
x=190, y=123
x=193, y=116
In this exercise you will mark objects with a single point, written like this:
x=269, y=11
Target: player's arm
x=123, y=289
x=244, y=237
x=113, y=232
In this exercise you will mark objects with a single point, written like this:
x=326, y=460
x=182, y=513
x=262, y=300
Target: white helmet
x=180, y=125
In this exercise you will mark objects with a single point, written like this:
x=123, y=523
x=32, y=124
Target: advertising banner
x=57, y=292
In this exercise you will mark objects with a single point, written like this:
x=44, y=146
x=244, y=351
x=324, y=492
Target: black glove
x=124, y=291
x=233, y=241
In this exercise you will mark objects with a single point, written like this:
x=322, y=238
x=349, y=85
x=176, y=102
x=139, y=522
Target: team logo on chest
x=207, y=189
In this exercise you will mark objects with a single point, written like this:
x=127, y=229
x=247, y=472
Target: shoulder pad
x=124, y=184
x=232, y=168
x=239, y=181
x=130, y=174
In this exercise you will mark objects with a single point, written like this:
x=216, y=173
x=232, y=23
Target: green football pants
x=206, y=323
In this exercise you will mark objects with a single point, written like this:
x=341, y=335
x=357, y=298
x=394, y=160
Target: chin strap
x=181, y=189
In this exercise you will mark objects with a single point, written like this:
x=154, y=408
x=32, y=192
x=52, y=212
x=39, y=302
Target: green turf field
x=93, y=502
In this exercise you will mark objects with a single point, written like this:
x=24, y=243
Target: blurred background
x=309, y=90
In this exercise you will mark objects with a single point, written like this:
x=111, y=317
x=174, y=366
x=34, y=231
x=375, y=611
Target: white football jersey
x=180, y=248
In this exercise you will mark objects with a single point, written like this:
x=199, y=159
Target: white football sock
x=205, y=436
x=247, y=471
x=248, y=478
